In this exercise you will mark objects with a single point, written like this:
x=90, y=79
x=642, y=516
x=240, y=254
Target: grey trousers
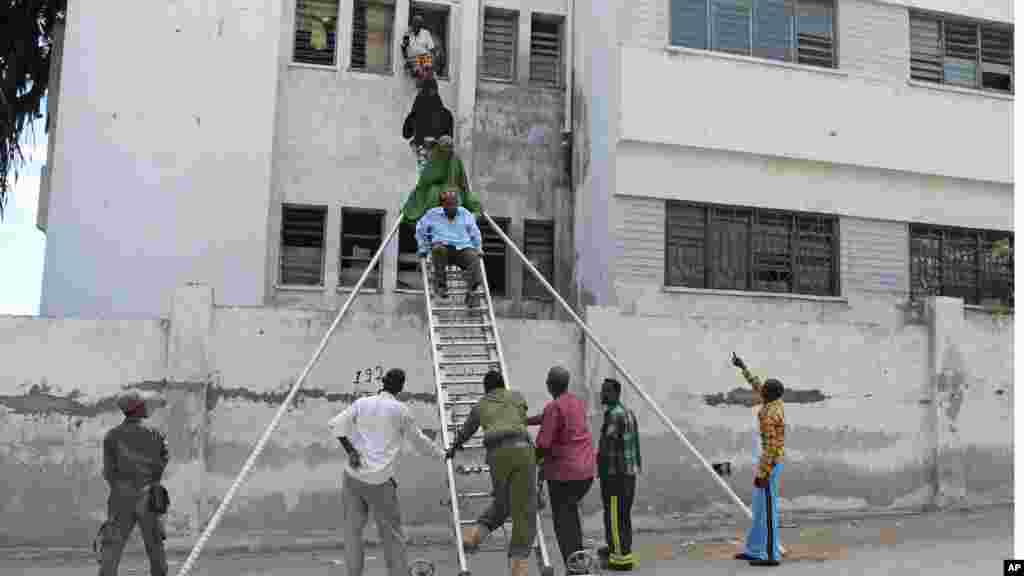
x=127, y=507
x=358, y=498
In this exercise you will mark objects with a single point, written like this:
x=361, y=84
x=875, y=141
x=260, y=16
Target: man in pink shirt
x=569, y=460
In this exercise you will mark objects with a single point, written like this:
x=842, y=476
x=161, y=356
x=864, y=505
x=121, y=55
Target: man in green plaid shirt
x=618, y=462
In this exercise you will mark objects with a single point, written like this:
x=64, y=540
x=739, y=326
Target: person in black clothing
x=428, y=121
x=134, y=459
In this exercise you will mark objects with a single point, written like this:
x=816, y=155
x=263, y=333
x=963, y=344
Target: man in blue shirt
x=450, y=233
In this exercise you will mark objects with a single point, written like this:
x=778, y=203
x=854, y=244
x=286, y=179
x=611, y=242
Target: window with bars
x=539, y=248
x=435, y=19
x=373, y=23
x=961, y=263
x=546, y=50
x=961, y=52
x=316, y=32
x=737, y=248
x=495, y=254
x=302, y=245
x=500, y=33
x=362, y=231
x=801, y=31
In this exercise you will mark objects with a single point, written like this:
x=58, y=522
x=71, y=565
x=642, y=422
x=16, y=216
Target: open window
x=362, y=232
x=435, y=19
x=495, y=255
x=316, y=32
x=373, y=35
x=540, y=251
x=409, y=275
x=302, y=245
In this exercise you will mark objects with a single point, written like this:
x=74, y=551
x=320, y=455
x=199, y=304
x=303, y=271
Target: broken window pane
x=361, y=234
x=372, y=35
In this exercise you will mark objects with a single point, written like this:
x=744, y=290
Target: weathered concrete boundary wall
x=878, y=415
x=222, y=373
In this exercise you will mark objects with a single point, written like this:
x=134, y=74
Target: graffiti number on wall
x=368, y=376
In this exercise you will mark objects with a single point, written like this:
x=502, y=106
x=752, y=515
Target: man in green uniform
x=513, y=465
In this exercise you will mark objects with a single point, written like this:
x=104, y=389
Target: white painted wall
x=161, y=174
x=701, y=99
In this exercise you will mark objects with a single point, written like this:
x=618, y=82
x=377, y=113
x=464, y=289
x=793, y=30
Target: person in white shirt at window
x=419, y=49
x=373, y=431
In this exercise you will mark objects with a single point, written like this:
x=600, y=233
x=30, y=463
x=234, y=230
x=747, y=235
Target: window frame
x=486, y=233
x=481, y=57
x=751, y=228
x=942, y=18
x=325, y=213
x=336, y=53
x=446, y=9
x=528, y=279
x=794, y=41
x=379, y=272
x=390, y=70
x=558, y=21
x=982, y=275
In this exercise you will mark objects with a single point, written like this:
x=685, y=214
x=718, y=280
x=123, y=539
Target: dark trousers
x=565, y=499
x=617, y=494
x=466, y=259
x=127, y=507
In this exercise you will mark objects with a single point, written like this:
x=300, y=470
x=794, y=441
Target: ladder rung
x=474, y=495
x=464, y=325
x=460, y=403
x=466, y=382
x=458, y=309
x=475, y=469
x=468, y=343
x=466, y=362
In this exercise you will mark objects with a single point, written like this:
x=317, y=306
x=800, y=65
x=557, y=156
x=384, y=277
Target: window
x=735, y=248
x=316, y=32
x=499, y=44
x=961, y=52
x=302, y=245
x=801, y=31
x=960, y=263
x=540, y=251
x=373, y=35
x=435, y=19
x=546, y=50
x=495, y=255
x=409, y=275
x=362, y=231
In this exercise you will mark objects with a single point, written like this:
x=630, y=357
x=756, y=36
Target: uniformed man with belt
x=134, y=459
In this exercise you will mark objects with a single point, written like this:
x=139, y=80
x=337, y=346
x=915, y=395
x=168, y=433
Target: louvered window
x=373, y=23
x=960, y=52
x=801, y=31
x=409, y=276
x=540, y=251
x=961, y=263
x=435, y=19
x=499, y=44
x=736, y=248
x=546, y=51
x=495, y=255
x=302, y=245
x=361, y=234
x=316, y=32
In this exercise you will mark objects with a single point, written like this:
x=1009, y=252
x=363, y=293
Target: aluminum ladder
x=465, y=345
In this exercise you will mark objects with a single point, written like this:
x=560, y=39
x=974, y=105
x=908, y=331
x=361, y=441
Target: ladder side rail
x=442, y=398
x=262, y=443
x=618, y=366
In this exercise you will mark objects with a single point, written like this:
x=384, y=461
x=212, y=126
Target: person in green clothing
x=513, y=466
x=444, y=171
x=618, y=463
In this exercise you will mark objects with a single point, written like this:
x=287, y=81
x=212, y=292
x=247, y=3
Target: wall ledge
x=834, y=72
x=961, y=90
x=751, y=294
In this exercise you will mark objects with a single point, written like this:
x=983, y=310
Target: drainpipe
x=570, y=67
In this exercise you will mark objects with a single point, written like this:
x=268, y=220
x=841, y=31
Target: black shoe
x=759, y=562
x=744, y=556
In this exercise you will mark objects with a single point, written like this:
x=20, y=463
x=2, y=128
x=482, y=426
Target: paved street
x=948, y=544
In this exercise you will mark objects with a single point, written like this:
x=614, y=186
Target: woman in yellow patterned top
x=763, y=548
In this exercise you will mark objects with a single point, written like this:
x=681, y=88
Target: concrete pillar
x=947, y=384
x=186, y=421
x=469, y=47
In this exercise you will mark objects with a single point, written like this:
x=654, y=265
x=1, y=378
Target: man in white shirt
x=418, y=47
x=373, y=431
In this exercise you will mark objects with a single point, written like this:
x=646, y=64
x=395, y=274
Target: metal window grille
x=408, y=277
x=960, y=263
x=539, y=247
x=302, y=245
x=435, y=19
x=736, y=248
x=546, y=51
x=499, y=44
x=362, y=231
x=786, y=30
x=961, y=52
x=495, y=255
x=316, y=32
x=372, y=34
